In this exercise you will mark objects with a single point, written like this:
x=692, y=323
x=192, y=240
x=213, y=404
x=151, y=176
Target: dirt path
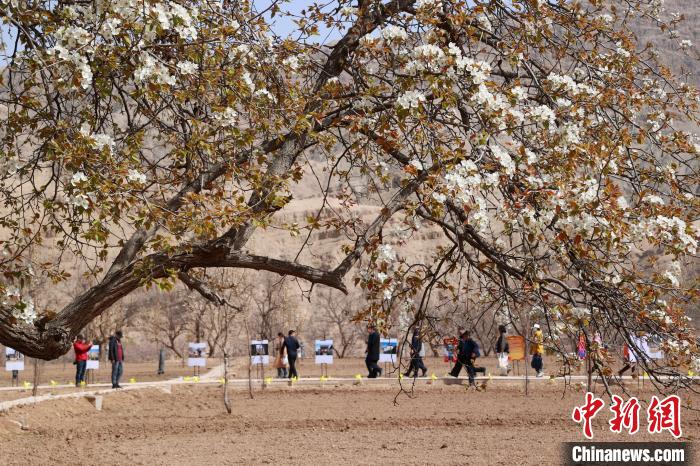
x=334, y=425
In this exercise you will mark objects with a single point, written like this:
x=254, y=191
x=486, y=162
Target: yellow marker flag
x=323, y=378
x=186, y=378
x=691, y=373
x=490, y=376
x=358, y=376
x=268, y=380
x=222, y=381
x=82, y=383
x=27, y=384
x=196, y=379
x=400, y=376
x=433, y=377
x=132, y=380
x=53, y=383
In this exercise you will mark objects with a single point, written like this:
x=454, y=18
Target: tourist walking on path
x=502, y=350
x=81, y=348
x=116, y=356
x=467, y=352
x=372, y=357
x=278, y=351
x=291, y=344
x=416, y=358
x=537, y=350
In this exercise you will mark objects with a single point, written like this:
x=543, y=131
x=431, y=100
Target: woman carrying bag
x=280, y=358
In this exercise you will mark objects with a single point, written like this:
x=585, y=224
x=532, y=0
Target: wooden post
x=35, y=388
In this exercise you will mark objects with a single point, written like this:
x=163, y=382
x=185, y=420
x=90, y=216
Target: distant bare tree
x=270, y=308
x=335, y=314
x=213, y=320
x=169, y=321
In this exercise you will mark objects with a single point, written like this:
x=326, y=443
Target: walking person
x=537, y=350
x=503, y=350
x=467, y=352
x=116, y=356
x=278, y=350
x=291, y=344
x=416, y=358
x=81, y=347
x=372, y=357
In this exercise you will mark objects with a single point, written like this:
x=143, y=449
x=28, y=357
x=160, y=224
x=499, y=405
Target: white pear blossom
x=386, y=253
x=410, y=99
x=229, y=117
x=622, y=203
x=150, y=69
x=77, y=178
x=265, y=93
x=187, y=67
x=428, y=57
x=136, y=176
x=394, y=34
x=503, y=158
x=291, y=62
x=484, y=22
x=671, y=277
x=80, y=200
x=100, y=141
x=519, y=92
x=348, y=11
x=653, y=199
x=427, y=4
x=441, y=198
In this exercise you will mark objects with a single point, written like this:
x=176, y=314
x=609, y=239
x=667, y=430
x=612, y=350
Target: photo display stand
x=323, y=354
x=196, y=357
x=259, y=357
x=387, y=352
x=14, y=362
x=92, y=364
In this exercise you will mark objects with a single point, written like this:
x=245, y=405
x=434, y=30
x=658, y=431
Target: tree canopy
x=153, y=139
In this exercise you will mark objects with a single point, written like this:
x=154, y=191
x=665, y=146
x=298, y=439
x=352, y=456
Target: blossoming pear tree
x=153, y=139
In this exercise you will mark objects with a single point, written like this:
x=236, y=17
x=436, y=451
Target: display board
x=323, y=351
x=93, y=361
x=516, y=345
x=14, y=360
x=387, y=349
x=259, y=352
x=196, y=354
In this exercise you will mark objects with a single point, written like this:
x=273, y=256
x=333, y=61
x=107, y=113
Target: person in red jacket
x=81, y=348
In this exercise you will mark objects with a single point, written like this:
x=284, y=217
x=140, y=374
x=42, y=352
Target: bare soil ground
x=329, y=425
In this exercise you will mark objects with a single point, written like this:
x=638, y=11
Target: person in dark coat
x=467, y=352
x=372, y=352
x=502, y=350
x=416, y=358
x=291, y=345
x=116, y=356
